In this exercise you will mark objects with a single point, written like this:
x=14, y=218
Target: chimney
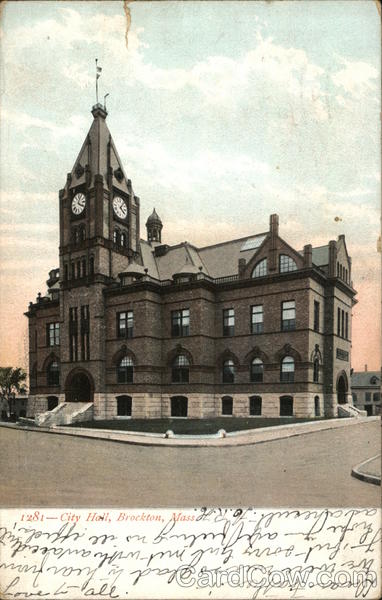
x=332, y=258
x=365, y=368
x=274, y=224
x=308, y=255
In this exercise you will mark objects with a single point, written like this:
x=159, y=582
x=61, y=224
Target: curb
x=367, y=477
x=243, y=438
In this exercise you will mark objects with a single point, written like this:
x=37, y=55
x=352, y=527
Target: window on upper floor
x=316, y=316
x=180, y=322
x=377, y=396
x=287, y=370
x=228, y=322
x=125, y=370
x=53, y=334
x=53, y=373
x=257, y=370
x=316, y=370
x=257, y=319
x=123, y=239
x=260, y=269
x=125, y=324
x=91, y=265
x=116, y=237
x=288, y=315
x=346, y=325
x=286, y=264
x=228, y=374
x=82, y=233
x=180, y=369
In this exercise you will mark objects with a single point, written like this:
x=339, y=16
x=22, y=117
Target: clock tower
x=99, y=236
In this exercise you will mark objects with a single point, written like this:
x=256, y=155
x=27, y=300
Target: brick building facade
x=137, y=327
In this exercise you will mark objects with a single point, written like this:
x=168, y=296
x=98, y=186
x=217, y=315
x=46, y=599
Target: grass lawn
x=191, y=426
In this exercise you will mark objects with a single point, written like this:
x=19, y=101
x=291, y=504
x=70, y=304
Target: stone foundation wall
x=38, y=404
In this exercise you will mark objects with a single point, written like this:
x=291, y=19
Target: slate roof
x=320, y=256
x=363, y=379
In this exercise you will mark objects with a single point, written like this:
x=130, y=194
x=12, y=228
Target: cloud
x=357, y=78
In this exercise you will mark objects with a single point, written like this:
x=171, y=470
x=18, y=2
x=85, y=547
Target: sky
x=222, y=113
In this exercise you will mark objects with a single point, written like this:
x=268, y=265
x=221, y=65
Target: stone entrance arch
x=342, y=388
x=79, y=387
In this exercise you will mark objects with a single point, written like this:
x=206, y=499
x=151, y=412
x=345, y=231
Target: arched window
x=180, y=369
x=317, y=410
x=316, y=370
x=53, y=373
x=116, y=237
x=286, y=264
x=257, y=370
x=227, y=405
x=125, y=370
x=255, y=405
x=123, y=240
x=73, y=270
x=124, y=405
x=91, y=265
x=287, y=370
x=260, y=269
x=228, y=371
x=286, y=406
x=52, y=402
x=78, y=269
x=84, y=267
x=74, y=235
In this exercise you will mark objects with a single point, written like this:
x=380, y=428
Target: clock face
x=120, y=207
x=78, y=204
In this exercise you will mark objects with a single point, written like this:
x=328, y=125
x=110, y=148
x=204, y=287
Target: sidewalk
x=234, y=438
x=369, y=470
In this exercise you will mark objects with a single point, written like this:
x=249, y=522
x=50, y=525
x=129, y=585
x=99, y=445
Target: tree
x=12, y=382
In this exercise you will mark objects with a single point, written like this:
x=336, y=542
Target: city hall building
x=137, y=327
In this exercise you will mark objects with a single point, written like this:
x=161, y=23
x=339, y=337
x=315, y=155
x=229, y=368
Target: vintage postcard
x=190, y=299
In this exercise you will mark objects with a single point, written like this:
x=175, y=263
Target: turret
x=154, y=227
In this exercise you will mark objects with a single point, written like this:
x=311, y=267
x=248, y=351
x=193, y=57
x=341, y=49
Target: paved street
x=308, y=470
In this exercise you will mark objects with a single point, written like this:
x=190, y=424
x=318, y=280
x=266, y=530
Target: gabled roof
x=365, y=378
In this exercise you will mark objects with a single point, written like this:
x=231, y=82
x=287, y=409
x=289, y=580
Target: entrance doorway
x=79, y=388
x=179, y=405
x=52, y=402
x=369, y=410
x=342, y=389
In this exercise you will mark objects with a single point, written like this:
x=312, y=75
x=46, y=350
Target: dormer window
x=260, y=269
x=286, y=264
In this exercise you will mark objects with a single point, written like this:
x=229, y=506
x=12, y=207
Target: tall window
x=91, y=265
x=286, y=406
x=116, y=237
x=260, y=269
x=255, y=403
x=228, y=321
x=287, y=370
x=125, y=370
x=316, y=370
x=180, y=369
x=124, y=405
x=286, y=263
x=73, y=270
x=288, y=315
x=125, y=324
x=180, y=322
x=84, y=267
x=123, y=240
x=338, y=322
x=316, y=318
x=73, y=334
x=346, y=325
x=257, y=370
x=317, y=410
x=228, y=371
x=53, y=373
x=85, y=331
x=53, y=334
x=257, y=319
x=227, y=405
x=342, y=323
x=82, y=233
